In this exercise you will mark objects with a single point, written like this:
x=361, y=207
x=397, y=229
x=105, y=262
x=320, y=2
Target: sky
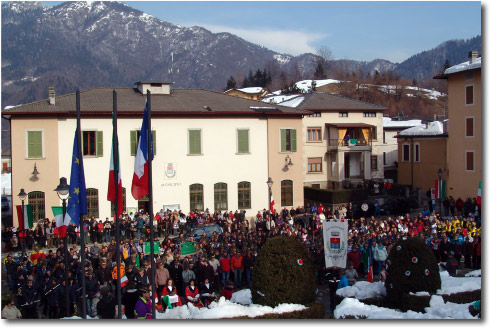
x=357, y=30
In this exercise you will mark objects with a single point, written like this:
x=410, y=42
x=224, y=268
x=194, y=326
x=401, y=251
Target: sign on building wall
x=335, y=243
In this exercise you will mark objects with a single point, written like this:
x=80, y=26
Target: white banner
x=335, y=243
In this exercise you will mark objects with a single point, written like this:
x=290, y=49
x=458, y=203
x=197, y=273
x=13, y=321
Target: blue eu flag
x=77, y=201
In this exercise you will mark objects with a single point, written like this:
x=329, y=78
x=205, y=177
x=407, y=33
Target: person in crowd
x=129, y=299
x=351, y=274
x=192, y=294
x=10, y=311
x=161, y=277
x=143, y=307
x=227, y=292
x=106, y=307
x=170, y=296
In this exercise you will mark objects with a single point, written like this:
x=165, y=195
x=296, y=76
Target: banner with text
x=335, y=243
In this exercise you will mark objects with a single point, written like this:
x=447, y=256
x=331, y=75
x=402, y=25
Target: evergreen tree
x=230, y=84
x=319, y=73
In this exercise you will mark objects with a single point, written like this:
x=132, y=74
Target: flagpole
x=82, y=234
x=115, y=159
x=150, y=201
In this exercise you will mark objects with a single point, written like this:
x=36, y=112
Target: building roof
x=431, y=129
x=389, y=123
x=350, y=125
x=321, y=101
x=466, y=66
x=130, y=101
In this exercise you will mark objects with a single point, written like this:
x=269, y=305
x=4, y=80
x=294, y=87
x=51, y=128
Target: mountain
x=77, y=45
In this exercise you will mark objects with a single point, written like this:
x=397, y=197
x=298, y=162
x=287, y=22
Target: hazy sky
x=359, y=30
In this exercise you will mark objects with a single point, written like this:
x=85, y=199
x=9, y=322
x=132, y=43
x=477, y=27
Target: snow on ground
x=351, y=305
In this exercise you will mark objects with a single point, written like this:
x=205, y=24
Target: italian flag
x=114, y=166
x=25, y=219
x=124, y=281
x=478, y=194
x=58, y=218
x=272, y=202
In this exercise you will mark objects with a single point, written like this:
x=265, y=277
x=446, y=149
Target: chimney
x=52, y=95
x=472, y=55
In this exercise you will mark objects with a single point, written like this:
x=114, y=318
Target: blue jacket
x=343, y=282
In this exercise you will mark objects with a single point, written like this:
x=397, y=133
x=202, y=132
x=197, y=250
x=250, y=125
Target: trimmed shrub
x=283, y=273
x=411, y=267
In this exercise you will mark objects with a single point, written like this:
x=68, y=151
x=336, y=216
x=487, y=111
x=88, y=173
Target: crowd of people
x=221, y=264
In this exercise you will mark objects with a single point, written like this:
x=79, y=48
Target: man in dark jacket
x=129, y=299
x=91, y=287
x=52, y=299
x=29, y=300
x=248, y=264
x=175, y=271
x=106, y=307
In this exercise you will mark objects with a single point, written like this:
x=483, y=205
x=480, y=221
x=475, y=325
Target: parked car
x=5, y=203
x=208, y=228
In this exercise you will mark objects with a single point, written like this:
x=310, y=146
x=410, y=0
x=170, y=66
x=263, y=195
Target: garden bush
x=283, y=273
x=411, y=267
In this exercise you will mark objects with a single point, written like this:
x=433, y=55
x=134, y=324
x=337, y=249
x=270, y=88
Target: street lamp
x=439, y=173
x=269, y=184
x=63, y=191
x=22, y=195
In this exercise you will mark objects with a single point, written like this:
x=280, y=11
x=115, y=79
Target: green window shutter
x=154, y=141
x=283, y=140
x=293, y=140
x=100, y=148
x=34, y=144
x=133, y=140
x=243, y=141
x=194, y=142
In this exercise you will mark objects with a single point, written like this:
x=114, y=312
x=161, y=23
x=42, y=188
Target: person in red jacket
x=225, y=263
x=227, y=292
x=237, y=267
x=192, y=294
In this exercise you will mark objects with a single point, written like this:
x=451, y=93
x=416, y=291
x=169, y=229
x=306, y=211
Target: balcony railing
x=351, y=143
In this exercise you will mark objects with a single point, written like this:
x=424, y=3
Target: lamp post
x=269, y=184
x=439, y=187
x=63, y=191
x=22, y=195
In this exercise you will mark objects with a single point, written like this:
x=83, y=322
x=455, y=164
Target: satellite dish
x=364, y=207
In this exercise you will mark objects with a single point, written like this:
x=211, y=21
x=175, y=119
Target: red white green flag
x=478, y=194
x=26, y=218
x=272, y=202
x=61, y=224
x=114, y=166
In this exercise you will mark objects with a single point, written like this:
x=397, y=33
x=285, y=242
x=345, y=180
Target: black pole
x=150, y=200
x=67, y=287
x=23, y=230
x=82, y=234
x=115, y=159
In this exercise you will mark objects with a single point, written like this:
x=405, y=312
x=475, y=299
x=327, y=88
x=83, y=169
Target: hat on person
x=104, y=291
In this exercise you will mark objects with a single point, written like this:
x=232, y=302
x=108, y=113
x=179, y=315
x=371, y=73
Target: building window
x=470, y=160
x=134, y=137
x=34, y=144
x=315, y=114
x=286, y=193
x=374, y=133
x=470, y=127
x=92, y=143
x=343, y=114
x=314, y=134
x=36, y=199
x=405, y=153
x=416, y=152
x=113, y=209
x=369, y=114
x=288, y=140
x=220, y=196
x=194, y=142
x=244, y=195
x=196, y=197
x=242, y=142
x=384, y=158
x=314, y=164
x=374, y=163
x=92, y=202
x=384, y=137
x=469, y=95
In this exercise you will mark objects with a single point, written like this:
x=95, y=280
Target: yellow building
x=465, y=127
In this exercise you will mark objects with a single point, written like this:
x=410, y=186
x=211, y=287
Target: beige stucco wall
x=22, y=167
x=462, y=183
x=277, y=159
x=432, y=158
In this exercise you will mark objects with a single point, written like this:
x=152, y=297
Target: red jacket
x=225, y=263
x=236, y=262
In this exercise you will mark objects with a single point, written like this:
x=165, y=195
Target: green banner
x=188, y=248
x=156, y=247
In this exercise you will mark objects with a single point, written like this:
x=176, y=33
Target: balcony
x=351, y=144
x=350, y=137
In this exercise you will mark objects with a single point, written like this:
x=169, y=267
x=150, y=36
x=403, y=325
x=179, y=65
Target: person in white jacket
x=380, y=255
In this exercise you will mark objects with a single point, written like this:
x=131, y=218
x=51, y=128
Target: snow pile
x=476, y=273
x=437, y=310
x=363, y=290
x=388, y=123
x=228, y=309
x=434, y=128
x=293, y=103
x=453, y=285
x=251, y=90
x=305, y=85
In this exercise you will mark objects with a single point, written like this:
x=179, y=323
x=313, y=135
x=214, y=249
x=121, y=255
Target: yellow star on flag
x=77, y=160
x=77, y=191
